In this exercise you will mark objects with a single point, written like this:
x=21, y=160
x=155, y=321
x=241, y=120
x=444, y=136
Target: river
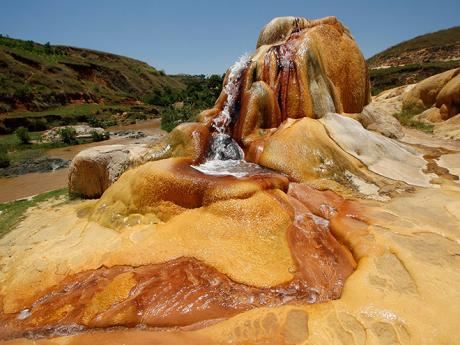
x=24, y=186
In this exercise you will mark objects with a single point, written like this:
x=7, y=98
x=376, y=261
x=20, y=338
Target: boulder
x=93, y=170
x=430, y=115
x=438, y=90
x=449, y=96
x=378, y=117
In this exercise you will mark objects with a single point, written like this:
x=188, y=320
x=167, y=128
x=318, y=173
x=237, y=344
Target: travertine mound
x=265, y=250
x=244, y=256
x=403, y=292
x=441, y=90
x=301, y=68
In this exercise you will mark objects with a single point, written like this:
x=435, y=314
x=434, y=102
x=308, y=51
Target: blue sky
x=207, y=36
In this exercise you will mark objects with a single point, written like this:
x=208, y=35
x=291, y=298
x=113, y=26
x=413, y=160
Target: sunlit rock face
x=203, y=264
x=250, y=229
x=301, y=68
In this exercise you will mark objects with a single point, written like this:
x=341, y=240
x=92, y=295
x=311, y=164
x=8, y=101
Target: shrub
x=94, y=122
x=4, y=159
x=22, y=134
x=68, y=135
x=97, y=136
x=23, y=92
x=406, y=118
x=171, y=117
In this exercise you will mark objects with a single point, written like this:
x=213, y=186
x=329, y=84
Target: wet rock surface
x=42, y=164
x=185, y=291
x=340, y=235
x=129, y=134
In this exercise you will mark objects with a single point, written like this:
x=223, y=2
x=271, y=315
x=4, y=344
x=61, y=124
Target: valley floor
x=24, y=186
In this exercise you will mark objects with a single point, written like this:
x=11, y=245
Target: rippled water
x=223, y=147
x=236, y=168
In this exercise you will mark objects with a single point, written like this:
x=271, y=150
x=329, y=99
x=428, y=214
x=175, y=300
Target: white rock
x=384, y=156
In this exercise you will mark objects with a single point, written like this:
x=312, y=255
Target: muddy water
x=27, y=185
x=31, y=184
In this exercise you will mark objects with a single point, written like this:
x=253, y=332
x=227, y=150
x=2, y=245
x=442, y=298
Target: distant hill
x=35, y=77
x=415, y=59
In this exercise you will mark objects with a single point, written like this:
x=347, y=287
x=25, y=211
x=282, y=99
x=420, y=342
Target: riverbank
x=27, y=185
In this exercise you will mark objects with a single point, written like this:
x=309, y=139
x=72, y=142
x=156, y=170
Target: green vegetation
x=13, y=150
x=406, y=118
x=68, y=135
x=443, y=39
x=180, y=106
x=39, y=77
x=171, y=117
x=97, y=115
x=387, y=78
x=30, y=46
x=22, y=134
x=12, y=213
x=96, y=136
x=4, y=159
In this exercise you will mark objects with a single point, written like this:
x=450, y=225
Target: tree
x=22, y=134
x=48, y=49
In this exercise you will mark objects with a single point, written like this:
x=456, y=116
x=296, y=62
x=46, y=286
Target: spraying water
x=225, y=156
x=223, y=147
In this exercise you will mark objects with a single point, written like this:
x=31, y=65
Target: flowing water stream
x=225, y=156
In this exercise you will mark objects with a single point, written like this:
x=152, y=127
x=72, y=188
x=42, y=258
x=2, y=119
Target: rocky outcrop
x=380, y=155
x=379, y=117
x=297, y=71
x=234, y=244
x=441, y=90
x=434, y=101
x=81, y=132
x=93, y=170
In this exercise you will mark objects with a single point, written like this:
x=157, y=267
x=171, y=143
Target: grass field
x=11, y=213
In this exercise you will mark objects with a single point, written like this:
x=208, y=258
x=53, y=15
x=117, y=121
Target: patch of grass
x=406, y=118
x=11, y=213
x=96, y=136
x=64, y=111
x=17, y=152
x=12, y=139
